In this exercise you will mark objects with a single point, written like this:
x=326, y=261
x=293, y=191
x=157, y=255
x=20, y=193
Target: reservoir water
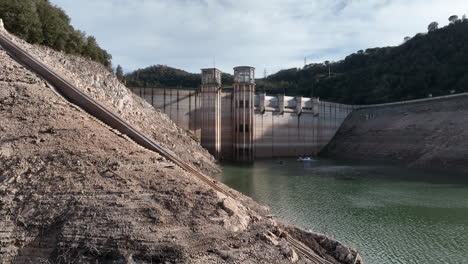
x=391, y=215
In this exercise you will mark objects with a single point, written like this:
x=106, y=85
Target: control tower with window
x=243, y=118
x=211, y=111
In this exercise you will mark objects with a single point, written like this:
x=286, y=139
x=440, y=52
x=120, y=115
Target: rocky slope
x=72, y=190
x=430, y=134
x=96, y=81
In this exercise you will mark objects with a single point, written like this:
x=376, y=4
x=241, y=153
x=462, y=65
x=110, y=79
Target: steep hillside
x=72, y=190
x=427, y=64
x=429, y=134
x=95, y=80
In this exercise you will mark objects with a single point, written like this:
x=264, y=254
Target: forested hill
x=38, y=21
x=160, y=75
x=429, y=64
x=164, y=76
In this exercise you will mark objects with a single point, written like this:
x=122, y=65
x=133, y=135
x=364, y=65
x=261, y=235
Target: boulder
x=287, y=251
x=238, y=218
x=344, y=253
x=270, y=238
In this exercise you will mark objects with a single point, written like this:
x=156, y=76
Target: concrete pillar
x=281, y=103
x=211, y=111
x=298, y=105
x=243, y=135
x=261, y=104
x=315, y=106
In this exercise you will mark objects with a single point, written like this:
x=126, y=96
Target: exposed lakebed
x=391, y=215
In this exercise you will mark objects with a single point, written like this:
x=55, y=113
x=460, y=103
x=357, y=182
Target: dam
x=236, y=123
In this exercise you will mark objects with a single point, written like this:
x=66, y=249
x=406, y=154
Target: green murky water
x=391, y=215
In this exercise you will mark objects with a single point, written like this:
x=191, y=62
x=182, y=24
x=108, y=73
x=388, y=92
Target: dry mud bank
x=72, y=190
x=431, y=134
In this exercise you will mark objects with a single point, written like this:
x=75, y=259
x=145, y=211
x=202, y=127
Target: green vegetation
x=164, y=76
x=430, y=64
x=119, y=73
x=38, y=21
x=160, y=75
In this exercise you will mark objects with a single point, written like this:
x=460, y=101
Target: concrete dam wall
x=281, y=126
x=182, y=106
x=427, y=133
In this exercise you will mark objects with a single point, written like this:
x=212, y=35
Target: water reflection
x=392, y=215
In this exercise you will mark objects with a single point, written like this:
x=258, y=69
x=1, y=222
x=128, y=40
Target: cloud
x=271, y=34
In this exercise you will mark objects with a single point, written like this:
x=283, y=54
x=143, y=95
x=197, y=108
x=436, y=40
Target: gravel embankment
x=99, y=83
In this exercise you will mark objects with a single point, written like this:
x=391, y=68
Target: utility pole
x=265, y=74
x=327, y=63
x=305, y=62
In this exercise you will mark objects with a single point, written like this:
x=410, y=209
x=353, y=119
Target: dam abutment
x=425, y=133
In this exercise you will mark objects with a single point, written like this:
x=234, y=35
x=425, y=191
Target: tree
x=21, y=18
x=90, y=48
x=75, y=43
x=464, y=18
x=55, y=26
x=432, y=27
x=406, y=39
x=119, y=73
x=38, y=21
x=453, y=19
x=327, y=63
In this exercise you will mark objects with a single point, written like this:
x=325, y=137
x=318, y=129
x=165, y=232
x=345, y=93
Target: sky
x=267, y=34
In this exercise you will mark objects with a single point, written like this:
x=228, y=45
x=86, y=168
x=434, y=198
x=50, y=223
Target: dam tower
x=211, y=111
x=243, y=118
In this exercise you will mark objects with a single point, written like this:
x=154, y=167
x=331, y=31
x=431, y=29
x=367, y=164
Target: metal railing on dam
x=75, y=96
